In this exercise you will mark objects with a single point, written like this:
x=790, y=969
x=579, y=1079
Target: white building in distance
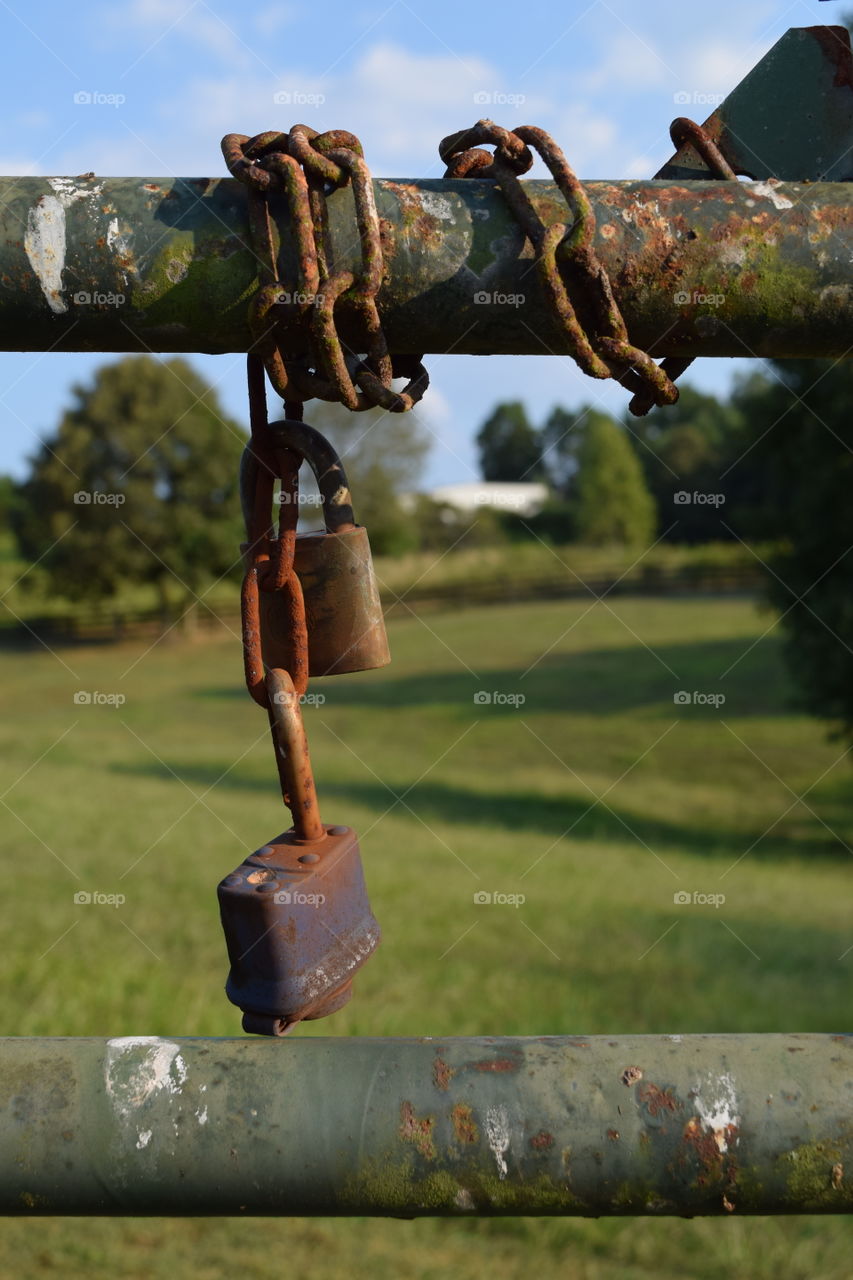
x=521, y=498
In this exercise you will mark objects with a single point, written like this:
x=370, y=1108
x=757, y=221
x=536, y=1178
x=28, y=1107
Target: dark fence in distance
x=108, y=625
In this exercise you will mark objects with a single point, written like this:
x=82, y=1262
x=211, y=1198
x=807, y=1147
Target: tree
x=687, y=449
x=561, y=442
x=510, y=448
x=612, y=503
x=383, y=455
x=138, y=485
x=8, y=500
x=801, y=428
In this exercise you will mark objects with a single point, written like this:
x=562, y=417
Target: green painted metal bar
x=643, y=1125
x=703, y=268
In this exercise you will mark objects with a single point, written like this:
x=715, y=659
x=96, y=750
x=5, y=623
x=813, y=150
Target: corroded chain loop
x=270, y=563
x=303, y=166
x=683, y=131
x=568, y=268
x=269, y=556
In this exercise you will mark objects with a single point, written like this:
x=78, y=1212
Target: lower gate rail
x=558, y=1125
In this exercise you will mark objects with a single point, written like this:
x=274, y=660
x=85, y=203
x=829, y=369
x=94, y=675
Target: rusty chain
x=269, y=558
x=302, y=165
x=569, y=271
x=683, y=131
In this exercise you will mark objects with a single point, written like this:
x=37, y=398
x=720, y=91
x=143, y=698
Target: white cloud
x=165, y=21
x=270, y=21
x=18, y=168
x=628, y=62
x=399, y=103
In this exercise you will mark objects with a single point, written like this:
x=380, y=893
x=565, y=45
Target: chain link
x=270, y=560
x=270, y=557
x=303, y=165
x=569, y=271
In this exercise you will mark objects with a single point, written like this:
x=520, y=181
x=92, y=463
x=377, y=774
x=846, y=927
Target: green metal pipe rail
x=698, y=268
x=569, y=1125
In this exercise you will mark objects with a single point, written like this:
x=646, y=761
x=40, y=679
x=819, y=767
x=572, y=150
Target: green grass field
x=598, y=798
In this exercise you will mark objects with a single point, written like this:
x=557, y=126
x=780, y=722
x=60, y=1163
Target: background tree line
x=770, y=464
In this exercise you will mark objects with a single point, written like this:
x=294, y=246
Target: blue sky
x=168, y=77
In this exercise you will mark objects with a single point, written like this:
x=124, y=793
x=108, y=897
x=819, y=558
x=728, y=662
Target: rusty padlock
x=295, y=913
x=343, y=612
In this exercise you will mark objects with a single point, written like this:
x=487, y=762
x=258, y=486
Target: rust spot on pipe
x=657, y=1100
x=463, y=1124
x=442, y=1074
x=542, y=1140
x=418, y=1132
x=497, y=1064
x=710, y=1145
x=417, y=223
x=631, y=1075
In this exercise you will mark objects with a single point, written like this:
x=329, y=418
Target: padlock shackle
x=292, y=748
x=328, y=469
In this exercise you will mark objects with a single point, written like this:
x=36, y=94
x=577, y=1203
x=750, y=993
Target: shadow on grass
x=551, y=817
x=593, y=682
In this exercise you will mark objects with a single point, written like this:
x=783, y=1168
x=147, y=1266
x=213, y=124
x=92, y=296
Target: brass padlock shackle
x=322, y=458
x=291, y=746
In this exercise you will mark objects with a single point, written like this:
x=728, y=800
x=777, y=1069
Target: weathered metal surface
x=790, y=118
x=340, y=627
x=298, y=926
x=715, y=269
x=644, y=1125
x=343, y=611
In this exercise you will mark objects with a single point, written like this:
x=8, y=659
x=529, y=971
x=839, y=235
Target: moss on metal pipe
x=577, y=1126
x=703, y=268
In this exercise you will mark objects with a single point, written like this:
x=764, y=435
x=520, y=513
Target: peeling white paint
x=341, y=496
x=44, y=238
x=138, y=1067
x=767, y=189
x=497, y=1135
x=716, y=1103
x=319, y=981
x=675, y=1039
x=201, y=1115
x=143, y=1139
x=438, y=205
x=120, y=242
x=44, y=243
x=731, y=254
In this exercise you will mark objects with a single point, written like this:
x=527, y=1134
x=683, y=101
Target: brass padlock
x=343, y=612
x=295, y=913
